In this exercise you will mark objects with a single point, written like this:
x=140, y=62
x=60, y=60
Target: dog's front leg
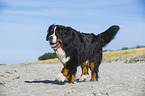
x=63, y=75
x=71, y=75
x=71, y=78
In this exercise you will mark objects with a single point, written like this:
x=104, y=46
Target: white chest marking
x=62, y=55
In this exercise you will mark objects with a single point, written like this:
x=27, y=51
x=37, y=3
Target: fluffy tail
x=109, y=34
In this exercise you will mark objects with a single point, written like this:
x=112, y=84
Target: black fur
x=82, y=47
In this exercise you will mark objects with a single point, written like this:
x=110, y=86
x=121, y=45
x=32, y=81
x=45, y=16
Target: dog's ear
x=47, y=37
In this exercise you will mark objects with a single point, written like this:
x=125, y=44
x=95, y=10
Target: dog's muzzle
x=55, y=45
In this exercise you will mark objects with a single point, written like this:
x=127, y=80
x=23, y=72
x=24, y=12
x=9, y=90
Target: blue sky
x=24, y=23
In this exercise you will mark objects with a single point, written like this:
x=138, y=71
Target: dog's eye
x=57, y=33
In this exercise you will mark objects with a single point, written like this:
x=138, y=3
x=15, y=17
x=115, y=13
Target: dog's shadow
x=49, y=82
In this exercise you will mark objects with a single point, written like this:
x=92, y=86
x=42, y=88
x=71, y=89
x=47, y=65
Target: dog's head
x=59, y=36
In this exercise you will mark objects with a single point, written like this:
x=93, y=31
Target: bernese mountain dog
x=78, y=49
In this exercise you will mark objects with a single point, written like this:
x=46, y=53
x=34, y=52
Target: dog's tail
x=109, y=34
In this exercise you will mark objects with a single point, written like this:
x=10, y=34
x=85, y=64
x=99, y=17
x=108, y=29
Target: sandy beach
x=116, y=79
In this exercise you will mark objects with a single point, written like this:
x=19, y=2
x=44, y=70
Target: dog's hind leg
x=95, y=63
x=94, y=66
x=94, y=75
x=71, y=75
x=84, y=74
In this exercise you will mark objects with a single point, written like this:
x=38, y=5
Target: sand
x=116, y=79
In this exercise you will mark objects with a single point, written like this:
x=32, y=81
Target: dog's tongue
x=54, y=45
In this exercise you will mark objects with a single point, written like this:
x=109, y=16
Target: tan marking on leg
x=65, y=71
x=84, y=75
x=93, y=77
x=84, y=70
x=84, y=67
x=71, y=79
x=63, y=75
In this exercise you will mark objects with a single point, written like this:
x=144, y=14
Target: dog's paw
x=60, y=77
x=83, y=77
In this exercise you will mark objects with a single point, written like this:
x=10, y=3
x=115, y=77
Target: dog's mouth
x=56, y=45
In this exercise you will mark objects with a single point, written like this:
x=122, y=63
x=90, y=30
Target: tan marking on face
x=61, y=43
